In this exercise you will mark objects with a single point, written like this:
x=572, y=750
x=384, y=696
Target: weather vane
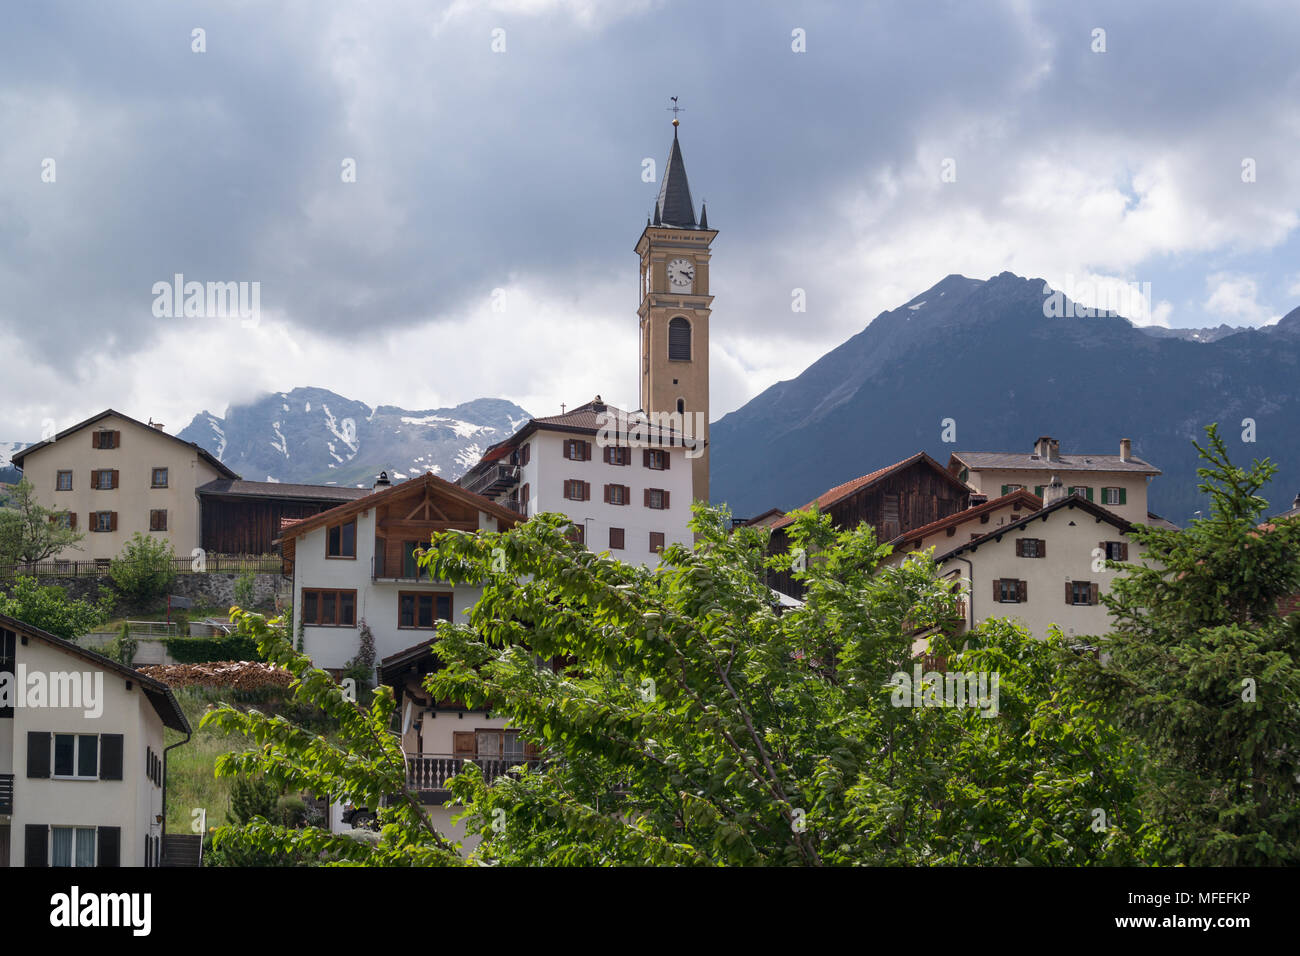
x=675, y=109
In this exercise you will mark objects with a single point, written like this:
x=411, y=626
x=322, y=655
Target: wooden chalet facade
x=894, y=500
x=245, y=517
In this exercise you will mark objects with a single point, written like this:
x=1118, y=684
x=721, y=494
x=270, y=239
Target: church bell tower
x=674, y=308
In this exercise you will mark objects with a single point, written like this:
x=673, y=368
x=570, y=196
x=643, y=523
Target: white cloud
x=1234, y=299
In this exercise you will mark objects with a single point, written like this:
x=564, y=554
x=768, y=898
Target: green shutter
x=1123, y=496
x=1088, y=491
x=1038, y=490
x=1004, y=489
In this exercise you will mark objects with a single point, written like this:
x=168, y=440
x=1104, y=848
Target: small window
x=525, y=454
x=681, y=406
x=1083, y=491
x=66, y=520
x=1007, y=489
x=576, y=490
x=76, y=756
x=577, y=450
x=107, y=439
x=616, y=494
x=341, y=540
x=1112, y=496
x=329, y=608
x=679, y=340
x=618, y=455
x=656, y=498
x=63, y=481
x=1031, y=548
x=616, y=539
x=422, y=610
x=103, y=521
x=1081, y=592
x=104, y=479
x=158, y=519
x=1011, y=591
x=158, y=478
x=410, y=561
x=72, y=846
x=1116, y=550
x=656, y=542
x=656, y=459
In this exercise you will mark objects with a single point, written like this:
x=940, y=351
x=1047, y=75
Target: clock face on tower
x=681, y=274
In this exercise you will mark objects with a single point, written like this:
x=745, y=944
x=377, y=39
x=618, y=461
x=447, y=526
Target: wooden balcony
x=6, y=793
x=494, y=480
x=430, y=772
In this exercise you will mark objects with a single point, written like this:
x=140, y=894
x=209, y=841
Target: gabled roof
x=674, y=206
x=1031, y=502
x=1009, y=461
x=237, y=488
x=159, y=694
x=428, y=480
x=19, y=456
x=840, y=492
x=1069, y=502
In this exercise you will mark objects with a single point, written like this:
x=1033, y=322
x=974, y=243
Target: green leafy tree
x=1203, y=671
x=695, y=723
x=30, y=532
x=360, y=762
x=124, y=646
x=245, y=589
x=50, y=609
x=145, y=569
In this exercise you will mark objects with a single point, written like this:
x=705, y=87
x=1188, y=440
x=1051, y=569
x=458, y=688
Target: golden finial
x=675, y=110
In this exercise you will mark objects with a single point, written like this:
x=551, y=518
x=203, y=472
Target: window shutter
x=668, y=460
x=94, y=439
x=646, y=496
x=1042, y=548
x=112, y=521
x=586, y=451
x=645, y=458
x=1022, y=591
x=1038, y=490
x=1088, y=492
x=607, y=487
x=1123, y=550
x=586, y=491
x=1004, y=489
x=36, y=845
x=115, y=473
x=1069, y=593
x=463, y=744
x=1020, y=547
x=997, y=590
x=608, y=449
x=94, y=479
x=72, y=520
x=110, y=846
x=1092, y=593
x=627, y=495
x=1123, y=496
x=117, y=439
x=666, y=505
x=110, y=757
x=38, y=754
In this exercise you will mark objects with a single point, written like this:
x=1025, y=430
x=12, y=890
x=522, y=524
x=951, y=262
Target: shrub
x=253, y=797
x=200, y=650
x=50, y=609
x=123, y=647
x=145, y=569
x=246, y=590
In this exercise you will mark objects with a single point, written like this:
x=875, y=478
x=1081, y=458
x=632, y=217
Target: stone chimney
x=1043, y=447
x=1053, y=492
x=1125, y=449
x=381, y=482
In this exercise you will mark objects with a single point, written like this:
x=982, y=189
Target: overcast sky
x=520, y=169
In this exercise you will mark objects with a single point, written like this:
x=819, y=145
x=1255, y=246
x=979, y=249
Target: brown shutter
x=1069, y=593
x=1022, y=591
x=1020, y=547
x=668, y=459
x=586, y=491
x=117, y=439
x=564, y=493
x=627, y=495
x=997, y=590
x=1123, y=550
x=112, y=521
x=94, y=474
x=115, y=473
x=586, y=451
x=666, y=500
x=647, y=498
x=607, y=487
x=462, y=743
x=1042, y=548
x=94, y=439
x=1092, y=593
x=72, y=520
x=608, y=449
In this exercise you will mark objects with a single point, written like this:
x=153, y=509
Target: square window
x=341, y=541
x=63, y=482
x=158, y=519
x=158, y=478
x=104, y=479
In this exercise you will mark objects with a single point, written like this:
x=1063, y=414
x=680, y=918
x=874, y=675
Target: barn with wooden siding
x=893, y=500
x=245, y=517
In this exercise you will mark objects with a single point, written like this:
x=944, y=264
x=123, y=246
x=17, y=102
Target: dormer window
x=341, y=540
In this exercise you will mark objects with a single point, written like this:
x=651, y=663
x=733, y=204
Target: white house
x=354, y=565
x=627, y=493
x=82, y=757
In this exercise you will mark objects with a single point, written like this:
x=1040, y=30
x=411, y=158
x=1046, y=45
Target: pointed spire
x=704, y=216
x=675, y=204
x=656, y=219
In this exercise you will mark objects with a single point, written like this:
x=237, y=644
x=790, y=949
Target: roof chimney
x=1047, y=448
x=1296, y=503
x=157, y=425
x=977, y=498
x=382, y=481
x=1125, y=449
x=1054, y=452
x=1053, y=492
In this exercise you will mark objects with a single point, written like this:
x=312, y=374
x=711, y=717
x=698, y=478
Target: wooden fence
x=211, y=564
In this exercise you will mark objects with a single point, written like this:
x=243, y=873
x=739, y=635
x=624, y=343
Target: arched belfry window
x=681, y=406
x=679, y=339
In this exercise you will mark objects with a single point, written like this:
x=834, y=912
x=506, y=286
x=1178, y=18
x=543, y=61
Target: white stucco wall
x=990, y=482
